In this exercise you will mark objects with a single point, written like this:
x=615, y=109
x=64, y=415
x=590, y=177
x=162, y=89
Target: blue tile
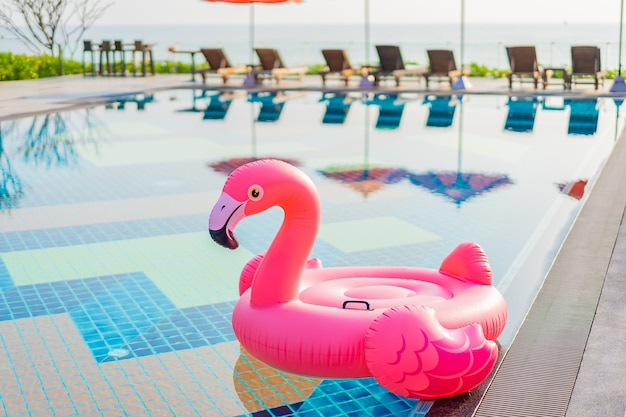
x=361, y=397
x=111, y=312
x=79, y=235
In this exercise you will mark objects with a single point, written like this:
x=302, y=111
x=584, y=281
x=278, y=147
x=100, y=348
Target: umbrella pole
x=462, y=83
x=619, y=86
x=251, y=52
x=367, y=33
x=621, y=17
x=462, y=47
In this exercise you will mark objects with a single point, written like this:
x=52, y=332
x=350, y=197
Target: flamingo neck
x=277, y=279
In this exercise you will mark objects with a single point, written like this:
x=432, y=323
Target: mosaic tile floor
x=114, y=300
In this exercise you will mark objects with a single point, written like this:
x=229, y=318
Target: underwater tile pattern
x=115, y=301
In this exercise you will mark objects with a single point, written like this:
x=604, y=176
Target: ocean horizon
x=485, y=43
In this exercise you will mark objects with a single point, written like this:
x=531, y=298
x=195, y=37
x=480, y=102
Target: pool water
x=114, y=300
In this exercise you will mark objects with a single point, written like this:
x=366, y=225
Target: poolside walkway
x=568, y=358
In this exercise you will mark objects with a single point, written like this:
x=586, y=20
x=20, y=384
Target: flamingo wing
x=411, y=354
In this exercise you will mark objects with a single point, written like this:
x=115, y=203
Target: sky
x=198, y=12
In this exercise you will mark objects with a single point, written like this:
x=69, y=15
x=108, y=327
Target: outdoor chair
x=442, y=67
x=105, y=58
x=119, y=51
x=219, y=65
x=391, y=65
x=337, y=62
x=91, y=49
x=586, y=67
x=272, y=67
x=524, y=65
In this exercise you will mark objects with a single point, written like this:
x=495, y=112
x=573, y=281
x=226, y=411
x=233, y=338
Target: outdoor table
x=547, y=75
x=193, y=59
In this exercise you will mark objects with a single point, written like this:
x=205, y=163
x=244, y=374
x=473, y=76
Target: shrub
x=26, y=67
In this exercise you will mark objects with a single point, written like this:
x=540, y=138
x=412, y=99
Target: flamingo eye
x=255, y=192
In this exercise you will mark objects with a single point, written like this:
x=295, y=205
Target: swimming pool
x=114, y=300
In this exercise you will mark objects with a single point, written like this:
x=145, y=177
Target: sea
x=484, y=44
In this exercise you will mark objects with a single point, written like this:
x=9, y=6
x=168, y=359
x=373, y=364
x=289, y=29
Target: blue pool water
x=115, y=301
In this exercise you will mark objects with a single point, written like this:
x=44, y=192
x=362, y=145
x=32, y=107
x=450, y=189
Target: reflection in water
x=521, y=116
x=271, y=108
x=459, y=186
x=227, y=166
x=442, y=109
x=261, y=387
x=48, y=140
x=364, y=178
x=553, y=103
x=337, y=107
x=574, y=189
x=618, y=104
x=272, y=104
x=195, y=98
x=583, y=119
x=11, y=189
x=217, y=106
x=119, y=102
x=390, y=110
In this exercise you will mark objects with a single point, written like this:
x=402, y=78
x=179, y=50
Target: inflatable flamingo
x=422, y=333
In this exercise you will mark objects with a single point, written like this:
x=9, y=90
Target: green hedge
x=26, y=67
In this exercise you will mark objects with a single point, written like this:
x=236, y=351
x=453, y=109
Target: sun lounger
x=219, y=65
x=586, y=67
x=391, y=65
x=524, y=65
x=272, y=67
x=442, y=67
x=337, y=63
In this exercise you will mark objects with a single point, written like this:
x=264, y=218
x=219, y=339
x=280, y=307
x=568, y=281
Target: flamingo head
x=253, y=188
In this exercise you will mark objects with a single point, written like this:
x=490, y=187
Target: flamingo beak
x=225, y=215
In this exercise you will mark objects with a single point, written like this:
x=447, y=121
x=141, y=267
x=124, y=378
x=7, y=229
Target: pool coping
x=567, y=357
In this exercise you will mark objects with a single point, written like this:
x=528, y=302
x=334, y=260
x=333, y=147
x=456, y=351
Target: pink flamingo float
x=421, y=333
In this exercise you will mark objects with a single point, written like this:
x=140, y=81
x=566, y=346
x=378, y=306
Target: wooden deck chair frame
x=219, y=65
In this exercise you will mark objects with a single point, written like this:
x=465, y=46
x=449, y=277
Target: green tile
x=189, y=268
x=376, y=233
